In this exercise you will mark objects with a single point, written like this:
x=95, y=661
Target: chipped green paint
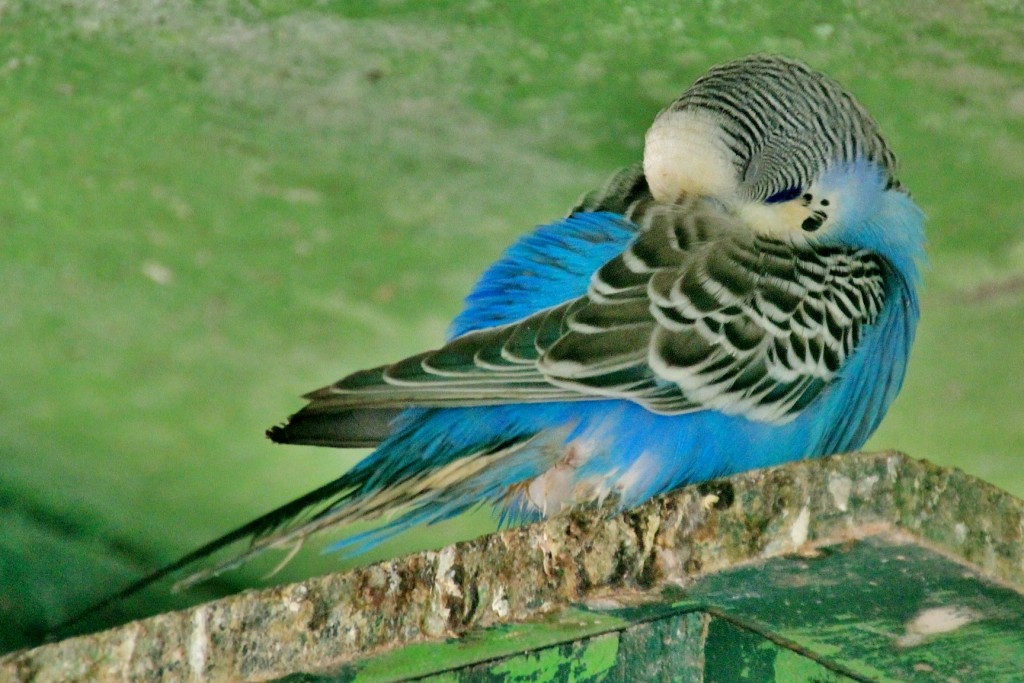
x=667, y=649
x=690, y=647
x=492, y=644
x=658, y=650
x=579, y=662
x=789, y=666
x=733, y=654
x=879, y=608
x=446, y=677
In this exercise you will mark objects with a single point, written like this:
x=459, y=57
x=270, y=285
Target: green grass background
x=208, y=208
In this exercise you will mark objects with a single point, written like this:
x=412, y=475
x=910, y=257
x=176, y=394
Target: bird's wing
x=738, y=323
x=696, y=313
x=543, y=269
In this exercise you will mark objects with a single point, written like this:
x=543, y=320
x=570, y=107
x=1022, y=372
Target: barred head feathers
x=757, y=127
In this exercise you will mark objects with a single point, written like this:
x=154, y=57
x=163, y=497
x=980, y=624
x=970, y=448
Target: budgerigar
x=744, y=298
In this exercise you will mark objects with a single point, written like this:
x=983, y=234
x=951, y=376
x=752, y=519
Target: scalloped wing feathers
x=697, y=313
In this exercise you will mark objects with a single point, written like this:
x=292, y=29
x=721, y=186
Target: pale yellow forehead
x=684, y=154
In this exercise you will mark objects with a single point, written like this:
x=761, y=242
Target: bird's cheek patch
x=813, y=222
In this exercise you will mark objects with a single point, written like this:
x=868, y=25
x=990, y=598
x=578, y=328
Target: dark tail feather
x=252, y=530
x=315, y=425
x=338, y=428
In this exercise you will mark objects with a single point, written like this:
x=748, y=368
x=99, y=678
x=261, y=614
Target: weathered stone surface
x=324, y=623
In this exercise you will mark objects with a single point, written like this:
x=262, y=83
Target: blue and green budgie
x=745, y=297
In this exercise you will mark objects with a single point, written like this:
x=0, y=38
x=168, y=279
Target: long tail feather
x=423, y=495
x=257, y=528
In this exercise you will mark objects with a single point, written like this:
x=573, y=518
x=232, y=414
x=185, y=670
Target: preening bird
x=745, y=297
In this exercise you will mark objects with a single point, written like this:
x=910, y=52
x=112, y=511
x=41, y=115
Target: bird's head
x=783, y=147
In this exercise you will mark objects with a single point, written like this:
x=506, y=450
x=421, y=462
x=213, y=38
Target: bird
x=745, y=296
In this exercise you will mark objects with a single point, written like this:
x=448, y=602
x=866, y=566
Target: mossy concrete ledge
x=850, y=568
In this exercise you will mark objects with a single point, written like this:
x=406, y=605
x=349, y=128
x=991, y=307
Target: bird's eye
x=784, y=196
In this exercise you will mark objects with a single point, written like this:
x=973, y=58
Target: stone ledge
x=537, y=574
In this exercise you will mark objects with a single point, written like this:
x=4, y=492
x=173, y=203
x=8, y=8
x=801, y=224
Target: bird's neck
x=895, y=231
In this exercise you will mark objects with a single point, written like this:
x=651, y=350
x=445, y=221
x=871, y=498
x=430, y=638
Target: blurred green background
x=208, y=208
